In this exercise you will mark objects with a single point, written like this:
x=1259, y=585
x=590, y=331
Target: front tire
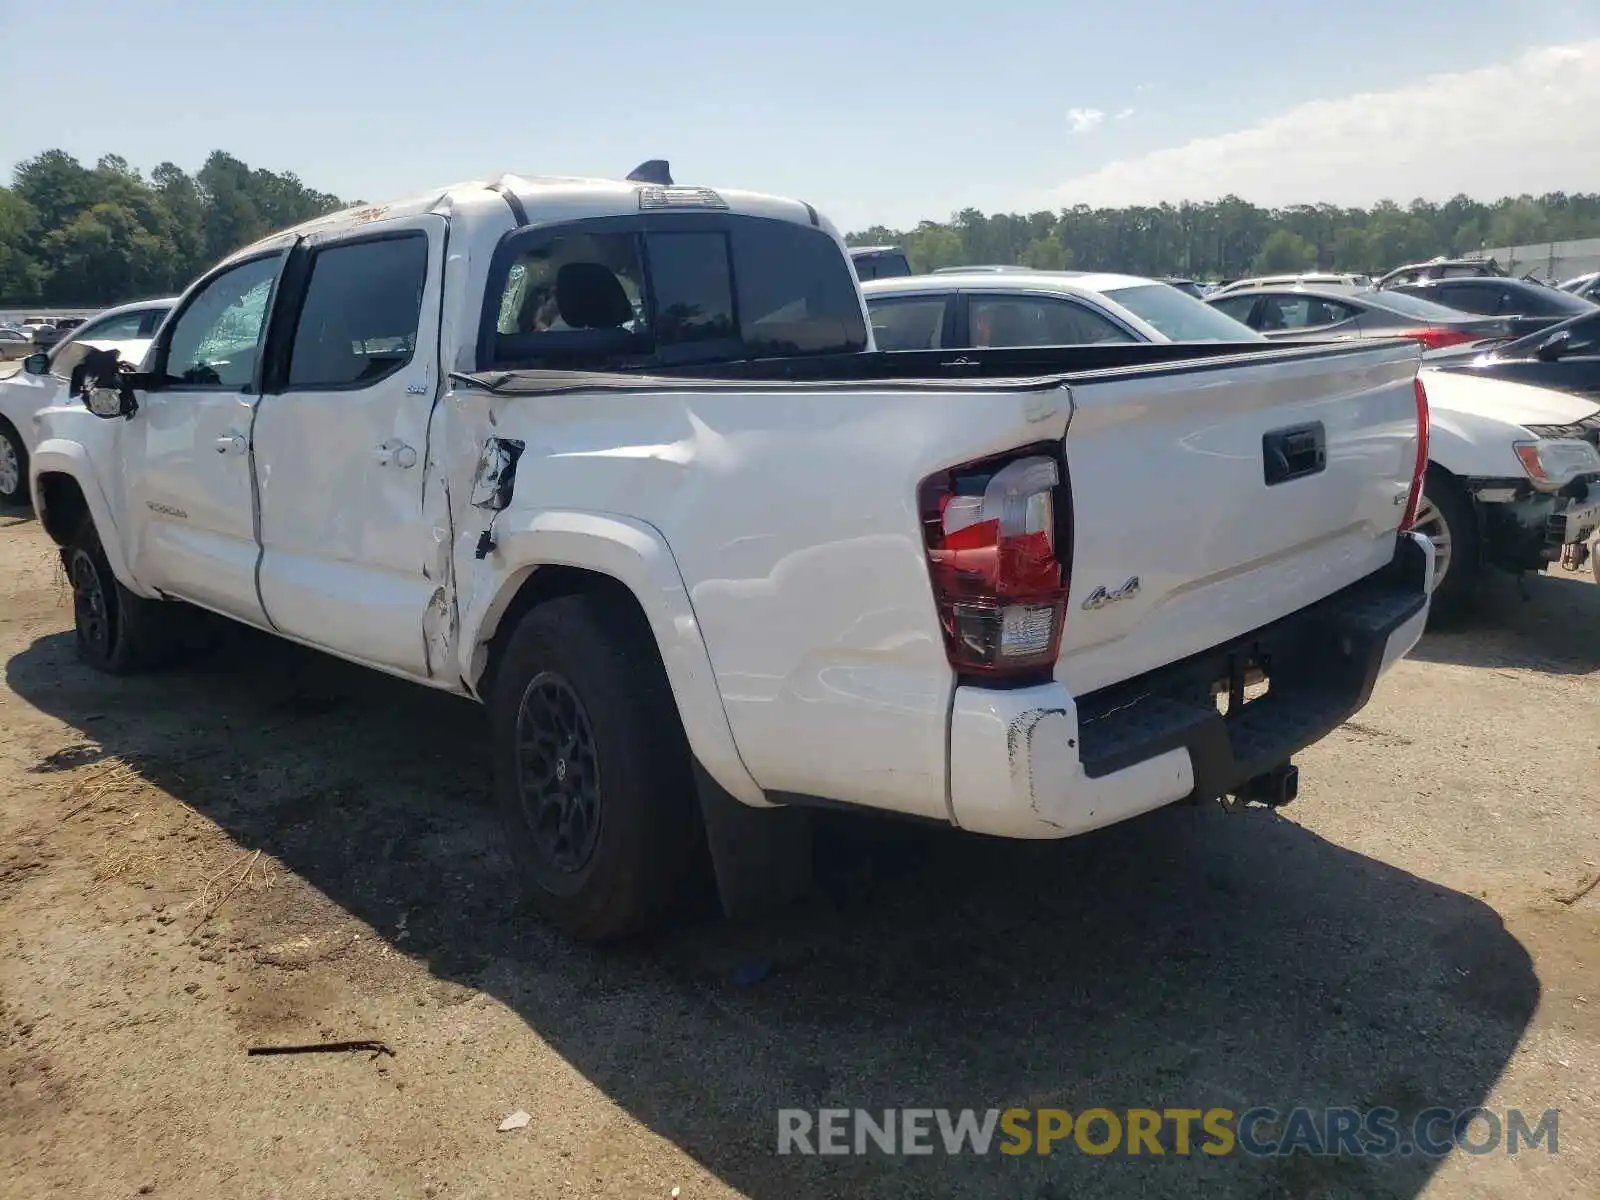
x=117, y=632
x=1446, y=517
x=13, y=466
x=592, y=770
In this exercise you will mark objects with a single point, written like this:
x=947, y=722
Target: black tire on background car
x=1447, y=517
x=117, y=632
x=13, y=466
x=592, y=771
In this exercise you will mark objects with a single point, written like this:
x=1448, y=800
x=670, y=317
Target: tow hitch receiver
x=1273, y=788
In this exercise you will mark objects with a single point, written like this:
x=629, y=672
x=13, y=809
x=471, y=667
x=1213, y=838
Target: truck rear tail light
x=997, y=534
x=1419, y=471
x=1438, y=339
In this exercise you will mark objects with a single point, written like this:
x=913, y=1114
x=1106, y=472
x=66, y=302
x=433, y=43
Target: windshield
x=1585, y=338
x=1179, y=317
x=1413, y=306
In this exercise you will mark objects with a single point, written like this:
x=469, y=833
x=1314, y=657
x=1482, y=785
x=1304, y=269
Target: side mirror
x=104, y=402
x=97, y=377
x=36, y=364
x=1554, y=346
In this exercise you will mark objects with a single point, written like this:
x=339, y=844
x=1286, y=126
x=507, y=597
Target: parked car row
x=1514, y=474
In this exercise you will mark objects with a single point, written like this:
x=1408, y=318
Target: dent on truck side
x=499, y=543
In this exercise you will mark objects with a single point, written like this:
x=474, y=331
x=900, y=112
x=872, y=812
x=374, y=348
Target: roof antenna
x=656, y=170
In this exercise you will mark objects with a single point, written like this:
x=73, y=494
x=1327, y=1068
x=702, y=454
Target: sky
x=883, y=112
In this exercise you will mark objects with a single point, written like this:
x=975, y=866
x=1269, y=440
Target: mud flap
x=761, y=856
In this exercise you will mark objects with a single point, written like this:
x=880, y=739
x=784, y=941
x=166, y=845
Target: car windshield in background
x=1179, y=317
x=1553, y=301
x=1584, y=338
x=1413, y=306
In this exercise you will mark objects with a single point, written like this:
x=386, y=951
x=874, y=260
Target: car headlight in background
x=1556, y=462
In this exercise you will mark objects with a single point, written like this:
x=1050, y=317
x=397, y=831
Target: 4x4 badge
x=1101, y=597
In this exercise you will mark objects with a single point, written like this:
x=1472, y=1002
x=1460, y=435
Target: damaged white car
x=1513, y=482
x=618, y=460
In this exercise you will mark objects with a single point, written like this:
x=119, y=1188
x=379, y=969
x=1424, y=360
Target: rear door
x=341, y=441
x=1175, y=492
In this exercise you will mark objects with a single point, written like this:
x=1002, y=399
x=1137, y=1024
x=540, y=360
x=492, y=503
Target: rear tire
x=593, y=776
x=1448, y=519
x=13, y=466
x=117, y=632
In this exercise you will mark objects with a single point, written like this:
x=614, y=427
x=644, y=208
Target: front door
x=191, y=529
x=340, y=445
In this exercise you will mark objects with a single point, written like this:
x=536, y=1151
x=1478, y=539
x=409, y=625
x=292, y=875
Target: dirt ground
x=269, y=847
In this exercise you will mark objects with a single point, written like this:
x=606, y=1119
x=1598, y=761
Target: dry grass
x=108, y=778
x=249, y=870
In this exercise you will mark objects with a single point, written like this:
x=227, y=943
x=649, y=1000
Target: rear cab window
x=619, y=293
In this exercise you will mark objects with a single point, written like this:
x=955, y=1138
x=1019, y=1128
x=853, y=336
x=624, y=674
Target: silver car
x=1327, y=313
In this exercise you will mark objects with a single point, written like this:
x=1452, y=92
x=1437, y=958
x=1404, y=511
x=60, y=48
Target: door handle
x=395, y=453
x=234, y=443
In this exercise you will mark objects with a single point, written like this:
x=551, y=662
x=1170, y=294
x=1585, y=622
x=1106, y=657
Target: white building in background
x=1550, y=261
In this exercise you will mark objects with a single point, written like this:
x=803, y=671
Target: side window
x=1302, y=312
x=1237, y=307
x=1000, y=321
x=218, y=336
x=150, y=321
x=358, y=322
x=1469, y=298
x=908, y=323
x=112, y=329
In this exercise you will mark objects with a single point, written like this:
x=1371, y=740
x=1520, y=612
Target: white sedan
x=128, y=329
x=994, y=309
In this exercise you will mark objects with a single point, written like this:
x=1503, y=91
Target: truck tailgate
x=1211, y=499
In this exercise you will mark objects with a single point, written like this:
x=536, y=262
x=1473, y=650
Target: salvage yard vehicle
x=127, y=328
x=1513, y=480
x=1525, y=307
x=618, y=460
x=1565, y=357
x=1311, y=312
x=1009, y=307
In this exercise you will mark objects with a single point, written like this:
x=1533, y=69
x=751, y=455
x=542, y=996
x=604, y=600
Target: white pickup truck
x=618, y=460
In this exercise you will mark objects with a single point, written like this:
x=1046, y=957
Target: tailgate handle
x=1294, y=453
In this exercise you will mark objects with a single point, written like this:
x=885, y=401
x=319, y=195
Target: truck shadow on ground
x=1187, y=960
x=1554, y=628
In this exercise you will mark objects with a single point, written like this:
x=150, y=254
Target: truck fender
x=636, y=555
x=60, y=456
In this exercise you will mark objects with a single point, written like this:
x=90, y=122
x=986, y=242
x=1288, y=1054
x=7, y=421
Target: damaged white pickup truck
x=618, y=460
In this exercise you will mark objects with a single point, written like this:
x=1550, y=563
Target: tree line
x=1227, y=238
x=77, y=236
x=73, y=235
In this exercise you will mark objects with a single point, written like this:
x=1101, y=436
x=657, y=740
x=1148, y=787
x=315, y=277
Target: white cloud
x=1518, y=126
x=1083, y=120
x=1123, y=114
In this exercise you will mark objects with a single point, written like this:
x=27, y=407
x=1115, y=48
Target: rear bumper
x=1037, y=763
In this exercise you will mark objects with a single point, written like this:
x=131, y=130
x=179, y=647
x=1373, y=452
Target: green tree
x=1285, y=251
